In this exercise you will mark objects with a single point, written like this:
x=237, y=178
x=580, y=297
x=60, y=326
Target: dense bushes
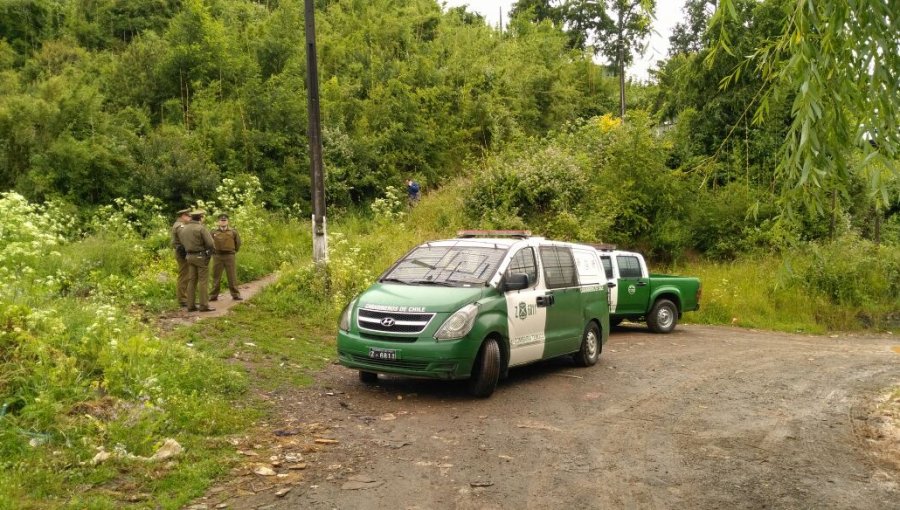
x=852, y=272
x=165, y=98
x=603, y=181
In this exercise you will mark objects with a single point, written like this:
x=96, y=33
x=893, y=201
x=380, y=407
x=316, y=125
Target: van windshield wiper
x=432, y=282
x=395, y=280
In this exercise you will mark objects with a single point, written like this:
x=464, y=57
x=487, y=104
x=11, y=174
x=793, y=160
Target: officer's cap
x=223, y=216
x=184, y=211
x=198, y=212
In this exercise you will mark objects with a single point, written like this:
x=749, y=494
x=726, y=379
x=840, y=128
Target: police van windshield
x=452, y=266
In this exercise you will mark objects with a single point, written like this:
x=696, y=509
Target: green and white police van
x=474, y=306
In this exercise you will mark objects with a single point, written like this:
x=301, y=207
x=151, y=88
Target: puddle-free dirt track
x=706, y=417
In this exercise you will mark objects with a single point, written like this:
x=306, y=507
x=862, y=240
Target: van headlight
x=344, y=324
x=459, y=324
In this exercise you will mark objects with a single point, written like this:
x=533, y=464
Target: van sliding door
x=564, y=322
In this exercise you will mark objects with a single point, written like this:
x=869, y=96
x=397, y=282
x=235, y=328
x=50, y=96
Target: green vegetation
x=82, y=372
x=113, y=114
x=81, y=369
x=835, y=287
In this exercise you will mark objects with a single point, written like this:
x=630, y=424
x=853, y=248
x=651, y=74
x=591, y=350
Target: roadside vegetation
x=84, y=368
x=115, y=114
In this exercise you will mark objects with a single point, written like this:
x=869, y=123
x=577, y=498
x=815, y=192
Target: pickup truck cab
x=474, y=306
x=659, y=299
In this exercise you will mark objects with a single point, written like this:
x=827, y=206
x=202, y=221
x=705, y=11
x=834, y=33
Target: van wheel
x=486, y=370
x=368, y=377
x=590, y=346
x=663, y=317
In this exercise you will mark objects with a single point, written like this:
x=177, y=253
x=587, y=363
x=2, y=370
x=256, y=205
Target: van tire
x=589, y=352
x=485, y=370
x=368, y=377
x=663, y=316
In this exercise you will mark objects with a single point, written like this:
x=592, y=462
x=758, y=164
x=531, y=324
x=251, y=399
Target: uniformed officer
x=228, y=243
x=199, y=245
x=184, y=217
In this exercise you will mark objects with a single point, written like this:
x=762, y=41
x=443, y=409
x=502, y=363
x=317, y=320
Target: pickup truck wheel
x=368, y=377
x=590, y=346
x=486, y=370
x=663, y=317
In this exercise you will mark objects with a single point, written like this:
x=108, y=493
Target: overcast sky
x=668, y=12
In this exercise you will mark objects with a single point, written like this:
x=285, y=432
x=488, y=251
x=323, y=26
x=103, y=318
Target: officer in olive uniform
x=199, y=245
x=184, y=217
x=228, y=243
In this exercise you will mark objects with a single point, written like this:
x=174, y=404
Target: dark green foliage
x=689, y=36
x=173, y=166
x=602, y=181
x=164, y=97
x=115, y=98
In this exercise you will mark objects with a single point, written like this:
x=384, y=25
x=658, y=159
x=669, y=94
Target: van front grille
x=393, y=322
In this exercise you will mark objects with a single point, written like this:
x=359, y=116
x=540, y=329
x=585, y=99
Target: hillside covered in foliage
x=111, y=99
x=164, y=98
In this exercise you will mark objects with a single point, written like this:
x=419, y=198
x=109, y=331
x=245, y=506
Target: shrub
x=851, y=271
x=542, y=185
x=390, y=207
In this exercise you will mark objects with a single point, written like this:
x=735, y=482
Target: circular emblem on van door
x=632, y=289
x=388, y=322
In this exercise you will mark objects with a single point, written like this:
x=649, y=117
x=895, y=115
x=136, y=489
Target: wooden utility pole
x=621, y=63
x=319, y=225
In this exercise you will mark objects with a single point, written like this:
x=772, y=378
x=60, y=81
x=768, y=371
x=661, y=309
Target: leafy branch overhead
x=838, y=63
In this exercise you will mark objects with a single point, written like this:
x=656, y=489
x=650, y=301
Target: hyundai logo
x=388, y=322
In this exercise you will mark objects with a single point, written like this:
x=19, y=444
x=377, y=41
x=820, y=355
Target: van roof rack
x=521, y=234
x=603, y=246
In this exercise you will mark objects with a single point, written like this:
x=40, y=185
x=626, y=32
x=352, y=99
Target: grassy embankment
x=83, y=366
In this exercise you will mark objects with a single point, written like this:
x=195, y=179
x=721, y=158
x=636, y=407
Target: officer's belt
x=196, y=253
x=224, y=253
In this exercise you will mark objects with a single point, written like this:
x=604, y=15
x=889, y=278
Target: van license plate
x=389, y=354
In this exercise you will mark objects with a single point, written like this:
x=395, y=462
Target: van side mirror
x=515, y=281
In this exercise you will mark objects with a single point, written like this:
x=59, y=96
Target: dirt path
x=182, y=317
x=703, y=418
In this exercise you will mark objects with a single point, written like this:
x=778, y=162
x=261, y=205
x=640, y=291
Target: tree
x=627, y=27
x=839, y=62
x=540, y=10
x=615, y=28
x=688, y=36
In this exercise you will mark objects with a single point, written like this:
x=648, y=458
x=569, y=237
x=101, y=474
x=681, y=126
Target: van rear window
x=455, y=266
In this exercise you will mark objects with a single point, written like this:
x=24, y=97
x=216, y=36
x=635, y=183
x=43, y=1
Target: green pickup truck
x=659, y=299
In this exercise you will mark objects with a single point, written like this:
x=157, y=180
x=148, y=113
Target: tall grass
x=82, y=368
x=847, y=285
x=753, y=293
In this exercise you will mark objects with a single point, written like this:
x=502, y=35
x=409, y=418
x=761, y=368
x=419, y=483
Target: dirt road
x=703, y=418
x=221, y=307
